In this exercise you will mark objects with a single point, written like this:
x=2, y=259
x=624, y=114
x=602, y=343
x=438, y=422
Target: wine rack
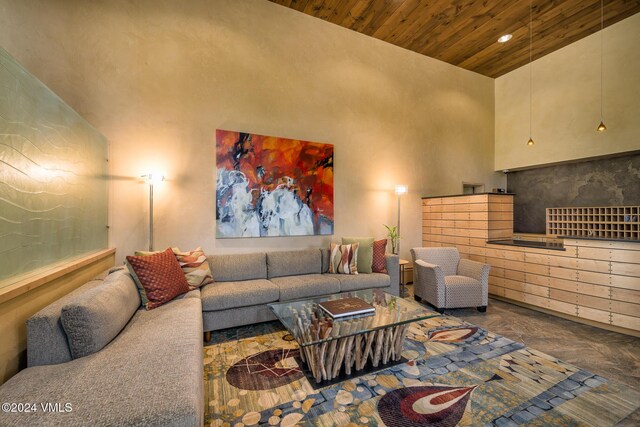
x=610, y=222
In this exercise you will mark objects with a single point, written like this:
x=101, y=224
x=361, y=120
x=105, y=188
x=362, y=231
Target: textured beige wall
x=566, y=102
x=158, y=77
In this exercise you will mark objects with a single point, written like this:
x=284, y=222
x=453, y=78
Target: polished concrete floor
x=609, y=354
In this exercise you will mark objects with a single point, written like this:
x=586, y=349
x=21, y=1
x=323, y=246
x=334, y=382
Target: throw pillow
x=143, y=294
x=344, y=259
x=379, y=259
x=195, y=266
x=365, y=252
x=161, y=277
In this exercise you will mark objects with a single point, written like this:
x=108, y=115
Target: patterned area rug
x=457, y=374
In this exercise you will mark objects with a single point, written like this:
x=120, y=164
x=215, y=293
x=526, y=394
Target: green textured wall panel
x=53, y=177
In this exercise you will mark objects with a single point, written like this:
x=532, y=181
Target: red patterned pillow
x=379, y=261
x=161, y=277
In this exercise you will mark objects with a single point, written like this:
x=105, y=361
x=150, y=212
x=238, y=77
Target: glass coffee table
x=338, y=348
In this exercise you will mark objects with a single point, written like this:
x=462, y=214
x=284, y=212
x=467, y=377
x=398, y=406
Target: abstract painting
x=269, y=186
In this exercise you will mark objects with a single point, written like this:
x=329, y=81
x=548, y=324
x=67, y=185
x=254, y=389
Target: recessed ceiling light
x=505, y=38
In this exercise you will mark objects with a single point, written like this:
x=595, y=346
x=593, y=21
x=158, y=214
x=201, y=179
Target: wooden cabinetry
x=466, y=222
x=595, y=281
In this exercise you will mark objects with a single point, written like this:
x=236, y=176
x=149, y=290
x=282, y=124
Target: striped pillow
x=344, y=259
x=195, y=266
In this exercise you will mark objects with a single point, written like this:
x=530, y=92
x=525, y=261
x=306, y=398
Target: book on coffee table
x=346, y=307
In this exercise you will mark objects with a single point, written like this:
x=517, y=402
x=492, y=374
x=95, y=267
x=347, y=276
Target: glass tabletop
x=310, y=325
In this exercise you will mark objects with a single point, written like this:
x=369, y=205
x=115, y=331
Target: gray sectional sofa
x=246, y=283
x=118, y=364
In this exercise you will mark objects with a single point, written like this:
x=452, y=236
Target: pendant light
x=530, y=142
x=601, y=126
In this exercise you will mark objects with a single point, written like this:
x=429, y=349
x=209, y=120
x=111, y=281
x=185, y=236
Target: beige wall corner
x=566, y=102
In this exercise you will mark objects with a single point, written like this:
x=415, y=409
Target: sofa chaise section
x=151, y=374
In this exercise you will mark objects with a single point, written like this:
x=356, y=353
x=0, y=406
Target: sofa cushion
x=462, y=291
x=344, y=259
x=294, y=263
x=234, y=267
x=305, y=286
x=224, y=295
x=161, y=277
x=354, y=282
x=97, y=317
x=365, y=252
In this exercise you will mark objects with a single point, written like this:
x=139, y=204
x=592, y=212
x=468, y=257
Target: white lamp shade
x=401, y=189
x=154, y=178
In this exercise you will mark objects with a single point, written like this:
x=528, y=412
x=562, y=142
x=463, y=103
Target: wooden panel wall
x=592, y=280
x=466, y=222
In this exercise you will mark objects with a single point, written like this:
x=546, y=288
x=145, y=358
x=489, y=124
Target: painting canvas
x=271, y=186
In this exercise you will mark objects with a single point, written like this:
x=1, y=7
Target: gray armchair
x=444, y=280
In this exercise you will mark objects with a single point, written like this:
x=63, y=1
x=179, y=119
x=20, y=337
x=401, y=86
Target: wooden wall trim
x=35, y=279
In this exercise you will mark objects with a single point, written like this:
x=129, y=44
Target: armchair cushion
x=462, y=291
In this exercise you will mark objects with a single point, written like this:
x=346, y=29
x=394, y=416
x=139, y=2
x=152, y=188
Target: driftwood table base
x=354, y=355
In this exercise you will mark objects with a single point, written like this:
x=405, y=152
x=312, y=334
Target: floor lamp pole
x=151, y=216
x=398, y=244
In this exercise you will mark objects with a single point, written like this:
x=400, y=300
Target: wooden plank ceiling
x=465, y=32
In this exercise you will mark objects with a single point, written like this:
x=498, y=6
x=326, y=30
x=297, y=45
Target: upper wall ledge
x=13, y=287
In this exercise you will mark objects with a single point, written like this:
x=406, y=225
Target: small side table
x=403, y=264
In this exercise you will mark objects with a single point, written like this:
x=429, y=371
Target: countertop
x=529, y=244
x=474, y=194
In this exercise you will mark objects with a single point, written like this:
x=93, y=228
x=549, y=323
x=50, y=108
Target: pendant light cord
x=530, y=65
x=601, y=60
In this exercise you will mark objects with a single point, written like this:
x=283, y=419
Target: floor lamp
x=400, y=190
x=152, y=178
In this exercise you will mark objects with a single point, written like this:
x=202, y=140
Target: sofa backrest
x=97, y=316
x=326, y=259
x=294, y=263
x=47, y=342
x=237, y=267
